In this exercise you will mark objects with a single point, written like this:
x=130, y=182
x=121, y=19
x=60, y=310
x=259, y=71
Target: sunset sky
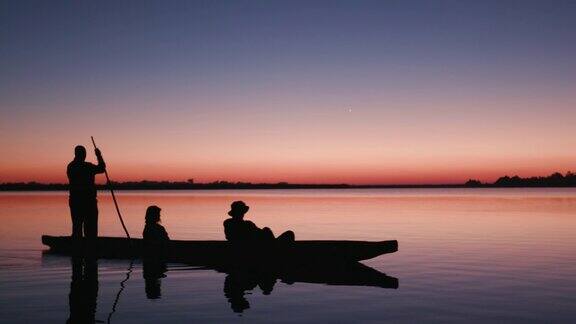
x=299, y=91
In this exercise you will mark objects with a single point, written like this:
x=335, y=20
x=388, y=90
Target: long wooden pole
x=113, y=196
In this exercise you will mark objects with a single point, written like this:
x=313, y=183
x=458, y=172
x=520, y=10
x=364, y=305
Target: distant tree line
x=553, y=180
x=162, y=185
x=556, y=179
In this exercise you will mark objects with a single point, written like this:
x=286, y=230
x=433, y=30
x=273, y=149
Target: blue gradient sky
x=300, y=91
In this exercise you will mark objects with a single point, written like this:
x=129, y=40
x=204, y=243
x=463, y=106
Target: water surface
x=472, y=255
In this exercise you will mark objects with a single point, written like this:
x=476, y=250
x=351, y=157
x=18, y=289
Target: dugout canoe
x=220, y=252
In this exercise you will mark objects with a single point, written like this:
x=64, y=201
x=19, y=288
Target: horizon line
x=555, y=179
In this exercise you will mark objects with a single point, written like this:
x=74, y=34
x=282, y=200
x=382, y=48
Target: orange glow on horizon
x=368, y=146
x=316, y=174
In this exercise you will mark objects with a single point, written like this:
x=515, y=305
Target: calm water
x=473, y=255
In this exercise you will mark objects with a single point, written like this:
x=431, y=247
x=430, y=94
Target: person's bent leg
x=267, y=234
x=286, y=237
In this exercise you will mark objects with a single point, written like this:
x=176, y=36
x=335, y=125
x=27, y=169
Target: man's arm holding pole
x=101, y=167
x=101, y=162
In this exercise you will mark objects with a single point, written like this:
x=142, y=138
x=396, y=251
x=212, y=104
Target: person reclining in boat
x=240, y=231
x=154, y=233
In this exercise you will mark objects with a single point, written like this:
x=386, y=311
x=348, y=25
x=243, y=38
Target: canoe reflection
x=240, y=281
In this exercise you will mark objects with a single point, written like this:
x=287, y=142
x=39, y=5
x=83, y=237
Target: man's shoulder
x=77, y=164
x=72, y=168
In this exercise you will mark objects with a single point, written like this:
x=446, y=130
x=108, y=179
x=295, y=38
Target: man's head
x=238, y=209
x=79, y=153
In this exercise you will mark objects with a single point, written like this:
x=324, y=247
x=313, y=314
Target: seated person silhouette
x=155, y=235
x=240, y=231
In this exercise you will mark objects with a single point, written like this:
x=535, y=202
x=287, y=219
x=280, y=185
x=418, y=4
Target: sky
x=379, y=92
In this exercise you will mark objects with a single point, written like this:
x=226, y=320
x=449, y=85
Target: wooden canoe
x=221, y=252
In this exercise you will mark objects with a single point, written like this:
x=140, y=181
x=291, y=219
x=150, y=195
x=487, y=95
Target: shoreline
x=295, y=187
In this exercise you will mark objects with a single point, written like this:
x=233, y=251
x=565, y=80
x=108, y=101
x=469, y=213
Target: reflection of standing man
x=83, y=203
x=83, y=291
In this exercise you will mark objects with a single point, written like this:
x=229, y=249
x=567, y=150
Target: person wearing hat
x=153, y=231
x=238, y=230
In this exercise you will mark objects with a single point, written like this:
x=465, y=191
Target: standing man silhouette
x=82, y=199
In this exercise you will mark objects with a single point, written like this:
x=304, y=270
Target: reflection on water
x=238, y=283
x=152, y=271
x=122, y=287
x=466, y=255
x=83, y=290
x=83, y=297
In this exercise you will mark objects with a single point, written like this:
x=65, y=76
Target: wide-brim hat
x=238, y=207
